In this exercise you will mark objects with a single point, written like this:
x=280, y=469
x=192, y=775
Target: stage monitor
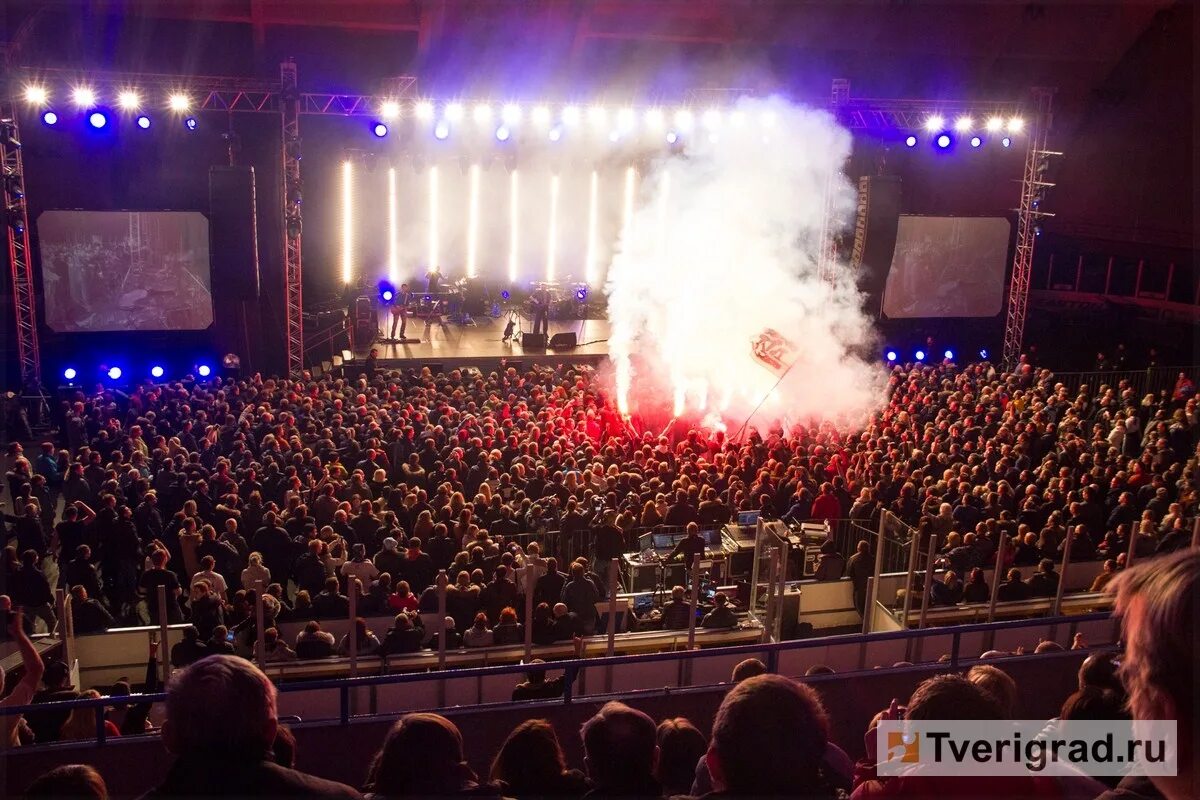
x=947, y=267
x=664, y=541
x=125, y=271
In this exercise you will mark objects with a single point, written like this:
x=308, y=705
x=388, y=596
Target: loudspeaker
x=563, y=341
x=233, y=232
x=533, y=341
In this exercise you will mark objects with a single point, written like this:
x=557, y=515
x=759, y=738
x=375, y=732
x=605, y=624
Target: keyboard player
x=690, y=548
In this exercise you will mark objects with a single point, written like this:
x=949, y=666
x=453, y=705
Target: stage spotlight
x=454, y=112
x=976, y=141
x=983, y=353
x=920, y=355
x=204, y=370
x=424, y=110
x=128, y=100
x=83, y=96
x=505, y=295
x=441, y=130
x=179, y=102
x=482, y=112
x=910, y=141
x=97, y=119
x=934, y=123
x=1037, y=230
x=1015, y=125
x=581, y=294
x=962, y=124
x=143, y=122
x=949, y=354
x=943, y=141
x=379, y=129
x=891, y=355
x=69, y=373
x=511, y=114
x=389, y=109
x=683, y=119
x=994, y=124
x=156, y=371
x=114, y=373
x=36, y=95
x=502, y=133
x=387, y=291
x=571, y=115
x=1006, y=141
x=50, y=118
x=555, y=133
x=190, y=123
x=672, y=137
x=654, y=118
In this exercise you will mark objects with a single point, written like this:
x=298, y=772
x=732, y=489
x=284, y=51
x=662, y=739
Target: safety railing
x=958, y=644
x=1154, y=380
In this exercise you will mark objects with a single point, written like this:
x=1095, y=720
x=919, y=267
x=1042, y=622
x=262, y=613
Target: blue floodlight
x=1006, y=141
x=114, y=373
x=143, y=122
x=920, y=355
x=949, y=354
x=442, y=129
x=502, y=133
x=891, y=355
x=379, y=129
x=976, y=141
x=983, y=353
x=156, y=371
x=97, y=119
x=204, y=370
x=505, y=294
x=190, y=123
x=69, y=373
x=943, y=140
x=49, y=118
x=672, y=137
x=911, y=141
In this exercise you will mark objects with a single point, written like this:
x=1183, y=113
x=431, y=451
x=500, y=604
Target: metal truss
x=875, y=114
x=292, y=223
x=1029, y=214
x=16, y=227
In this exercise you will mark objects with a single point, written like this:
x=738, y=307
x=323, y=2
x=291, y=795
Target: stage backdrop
x=125, y=271
x=947, y=267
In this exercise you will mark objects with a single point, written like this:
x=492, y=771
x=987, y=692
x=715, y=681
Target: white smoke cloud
x=722, y=245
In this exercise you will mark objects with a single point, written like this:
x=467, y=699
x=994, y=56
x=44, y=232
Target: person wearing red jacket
x=826, y=506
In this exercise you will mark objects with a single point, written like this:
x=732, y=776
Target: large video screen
x=947, y=267
x=125, y=270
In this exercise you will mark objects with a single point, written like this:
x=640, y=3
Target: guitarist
x=541, y=310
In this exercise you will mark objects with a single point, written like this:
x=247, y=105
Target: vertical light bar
x=589, y=265
x=347, y=222
x=514, y=218
x=393, y=217
x=433, y=219
x=473, y=221
x=627, y=216
x=552, y=234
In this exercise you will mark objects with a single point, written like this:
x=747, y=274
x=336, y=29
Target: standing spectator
x=158, y=575
x=30, y=589
x=580, y=596
x=190, y=649
x=87, y=614
x=32, y=669
x=860, y=568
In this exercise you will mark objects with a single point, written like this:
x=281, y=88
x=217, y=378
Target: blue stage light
x=69, y=373
x=943, y=140
x=204, y=370
x=976, y=141
x=190, y=123
x=949, y=355
x=555, y=133
x=50, y=118
x=920, y=355
x=387, y=295
x=506, y=294
x=114, y=373
x=379, y=129
x=442, y=129
x=502, y=133
x=1006, y=141
x=672, y=137
x=911, y=141
x=143, y=122
x=891, y=355
x=97, y=119
x=983, y=353
x=581, y=293
x=387, y=292
x=156, y=371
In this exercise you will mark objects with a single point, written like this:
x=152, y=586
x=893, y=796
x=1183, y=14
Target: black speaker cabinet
x=533, y=341
x=563, y=341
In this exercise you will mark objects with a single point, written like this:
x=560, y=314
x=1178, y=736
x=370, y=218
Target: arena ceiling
x=1124, y=71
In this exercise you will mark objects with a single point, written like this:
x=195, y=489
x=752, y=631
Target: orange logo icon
x=903, y=747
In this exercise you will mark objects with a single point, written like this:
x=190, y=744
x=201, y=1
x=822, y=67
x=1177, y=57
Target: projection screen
x=125, y=270
x=947, y=267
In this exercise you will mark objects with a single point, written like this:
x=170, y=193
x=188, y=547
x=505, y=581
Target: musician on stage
x=400, y=310
x=541, y=310
x=433, y=282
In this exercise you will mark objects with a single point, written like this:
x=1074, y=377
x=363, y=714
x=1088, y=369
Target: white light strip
x=433, y=219
x=514, y=219
x=347, y=222
x=473, y=221
x=589, y=267
x=552, y=236
x=393, y=218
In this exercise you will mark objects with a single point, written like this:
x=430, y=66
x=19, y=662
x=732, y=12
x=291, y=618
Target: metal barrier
x=574, y=667
x=1142, y=381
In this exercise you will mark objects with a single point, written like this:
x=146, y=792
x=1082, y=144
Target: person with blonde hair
x=81, y=724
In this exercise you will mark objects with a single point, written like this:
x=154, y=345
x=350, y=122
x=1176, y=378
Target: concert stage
x=480, y=345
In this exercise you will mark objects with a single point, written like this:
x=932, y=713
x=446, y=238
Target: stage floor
x=480, y=344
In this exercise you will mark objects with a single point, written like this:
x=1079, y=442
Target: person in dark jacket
x=580, y=596
x=508, y=630
x=190, y=649
x=1044, y=582
x=859, y=569
x=677, y=611
x=946, y=592
x=976, y=589
x=330, y=603
x=1013, y=589
x=221, y=724
x=87, y=614
x=721, y=616
x=830, y=563
x=620, y=745
x=548, y=588
x=402, y=637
